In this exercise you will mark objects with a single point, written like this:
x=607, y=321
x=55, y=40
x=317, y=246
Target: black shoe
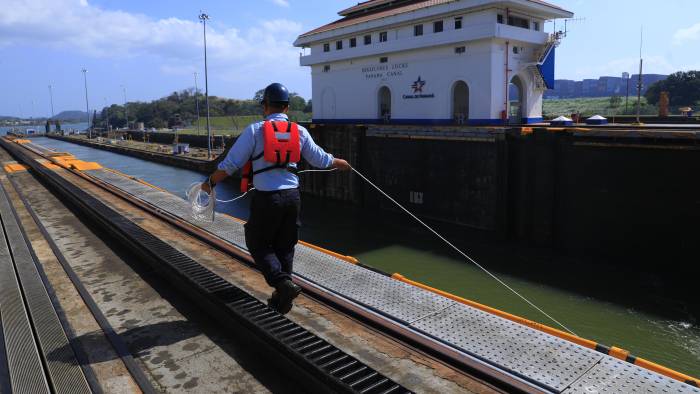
x=274, y=301
x=287, y=292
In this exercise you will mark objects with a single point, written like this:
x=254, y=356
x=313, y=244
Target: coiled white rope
x=201, y=202
x=461, y=252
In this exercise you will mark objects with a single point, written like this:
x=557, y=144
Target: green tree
x=296, y=102
x=683, y=88
x=615, y=101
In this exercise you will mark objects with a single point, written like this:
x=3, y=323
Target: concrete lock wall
x=199, y=141
x=599, y=196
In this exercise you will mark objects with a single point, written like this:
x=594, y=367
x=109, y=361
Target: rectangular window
x=368, y=39
x=327, y=68
x=383, y=60
x=326, y=47
x=418, y=30
x=383, y=36
x=536, y=26
x=499, y=18
x=460, y=50
x=518, y=22
x=438, y=26
x=339, y=45
x=353, y=42
x=458, y=23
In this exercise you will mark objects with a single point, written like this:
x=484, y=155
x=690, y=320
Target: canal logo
x=418, y=86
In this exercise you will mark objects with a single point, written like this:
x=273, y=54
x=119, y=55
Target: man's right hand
x=341, y=164
x=206, y=187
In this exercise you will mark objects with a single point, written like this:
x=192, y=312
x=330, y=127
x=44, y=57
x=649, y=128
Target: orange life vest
x=281, y=147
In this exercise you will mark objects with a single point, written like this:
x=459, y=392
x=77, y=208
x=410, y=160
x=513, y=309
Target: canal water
x=612, y=306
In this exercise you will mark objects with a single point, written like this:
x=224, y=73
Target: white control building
x=480, y=62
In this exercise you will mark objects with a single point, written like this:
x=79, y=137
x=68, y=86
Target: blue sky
x=154, y=47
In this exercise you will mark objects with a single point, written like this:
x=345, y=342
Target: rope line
x=246, y=193
x=196, y=206
x=235, y=199
x=461, y=252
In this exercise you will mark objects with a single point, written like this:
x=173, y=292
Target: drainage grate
x=25, y=369
x=330, y=365
x=4, y=371
x=116, y=341
x=63, y=371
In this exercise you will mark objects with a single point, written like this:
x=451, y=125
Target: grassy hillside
x=593, y=106
x=233, y=125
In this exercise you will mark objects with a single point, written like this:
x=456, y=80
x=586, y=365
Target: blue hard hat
x=275, y=93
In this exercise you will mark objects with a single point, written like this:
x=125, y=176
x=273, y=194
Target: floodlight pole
x=87, y=104
x=639, y=80
x=51, y=99
x=204, y=18
x=196, y=99
x=126, y=110
x=639, y=91
x=627, y=99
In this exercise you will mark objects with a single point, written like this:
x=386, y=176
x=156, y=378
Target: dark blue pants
x=272, y=232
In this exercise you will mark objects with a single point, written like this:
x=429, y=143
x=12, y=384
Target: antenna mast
x=639, y=79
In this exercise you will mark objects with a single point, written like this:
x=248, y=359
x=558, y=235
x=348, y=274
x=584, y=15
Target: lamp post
x=106, y=114
x=126, y=111
x=87, y=104
x=639, y=79
x=196, y=99
x=204, y=18
x=51, y=99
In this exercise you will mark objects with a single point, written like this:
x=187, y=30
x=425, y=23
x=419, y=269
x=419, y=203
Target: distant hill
x=601, y=87
x=71, y=115
x=8, y=118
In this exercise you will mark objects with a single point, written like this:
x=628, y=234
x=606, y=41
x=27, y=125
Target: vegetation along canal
x=395, y=244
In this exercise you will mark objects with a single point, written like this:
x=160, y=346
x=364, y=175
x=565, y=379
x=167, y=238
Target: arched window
x=460, y=102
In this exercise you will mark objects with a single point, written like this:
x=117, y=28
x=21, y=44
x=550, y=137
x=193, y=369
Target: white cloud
x=281, y=3
x=691, y=33
x=79, y=27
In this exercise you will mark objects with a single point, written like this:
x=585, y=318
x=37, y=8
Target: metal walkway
x=541, y=359
x=36, y=354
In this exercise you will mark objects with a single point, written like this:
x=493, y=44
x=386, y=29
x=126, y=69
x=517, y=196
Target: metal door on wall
x=460, y=102
x=515, y=101
x=385, y=104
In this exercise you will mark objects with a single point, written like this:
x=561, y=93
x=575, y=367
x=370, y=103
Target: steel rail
x=453, y=357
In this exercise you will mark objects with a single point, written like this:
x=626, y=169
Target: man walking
x=267, y=153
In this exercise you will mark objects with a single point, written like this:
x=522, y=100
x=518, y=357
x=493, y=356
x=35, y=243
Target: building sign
x=384, y=70
x=417, y=87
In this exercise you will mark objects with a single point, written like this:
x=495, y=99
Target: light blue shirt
x=250, y=144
